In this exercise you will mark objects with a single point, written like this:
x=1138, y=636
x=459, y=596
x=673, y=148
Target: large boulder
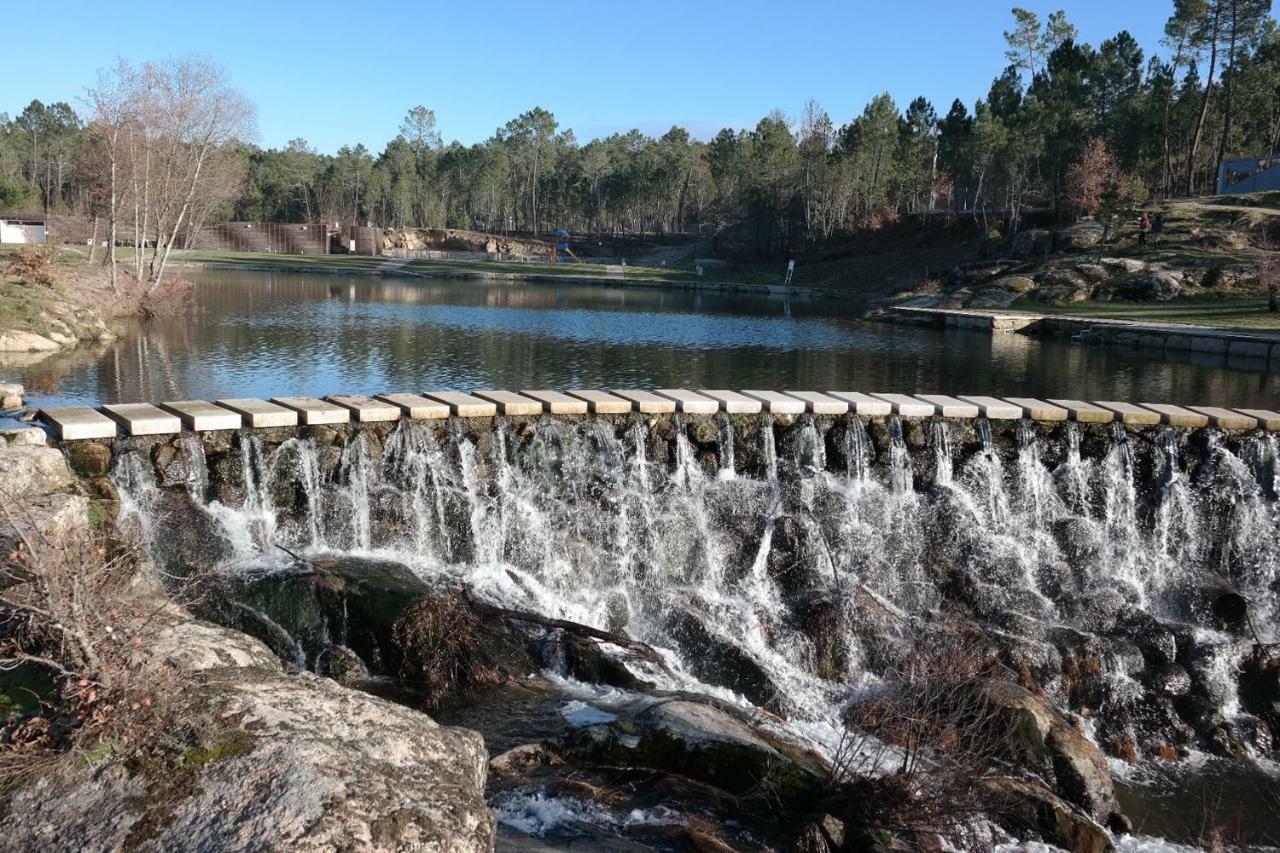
x=11, y=394
x=1035, y=241
x=16, y=340
x=293, y=763
x=707, y=743
x=27, y=470
x=1045, y=742
x=1028, y=806
x=1163, y=286
x=1083, y=235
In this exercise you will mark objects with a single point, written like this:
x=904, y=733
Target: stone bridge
x=141, y=419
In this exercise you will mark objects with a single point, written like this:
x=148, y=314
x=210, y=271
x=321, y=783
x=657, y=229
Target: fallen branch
x=644, y=650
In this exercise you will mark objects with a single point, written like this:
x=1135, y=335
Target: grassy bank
x=479, y=269
x=1234, y=313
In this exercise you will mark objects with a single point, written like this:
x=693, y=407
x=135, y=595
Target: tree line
x=1067, y=126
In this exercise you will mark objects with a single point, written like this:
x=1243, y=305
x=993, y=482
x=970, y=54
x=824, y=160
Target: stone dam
x=778, y=550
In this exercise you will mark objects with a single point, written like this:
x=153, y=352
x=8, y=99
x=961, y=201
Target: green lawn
x=479, y=268
x=1246, y=314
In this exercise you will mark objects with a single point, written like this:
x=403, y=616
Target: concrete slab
x=1225, y=418
x=366, y=409
x=1038, y=410
x=1086, y=413
x=200, y=416
x=820, y=404
x=1178, y=416
x=994, y=409
x=778, y=404
x=734, y=403
x=864, y=404
x=950, y=407
x=646, y=402
x=1130, y=414
x=464, y=405
x=78, y=422
x=559, y=404
x=511, y=404
x=143, y=419
x=908, y=407
x=313, y=411
x=1266, y=418
x=260, y=414
x=689, y=402
x=416, y=407
x=602, y=402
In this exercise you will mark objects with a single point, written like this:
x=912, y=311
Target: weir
x=778, y=558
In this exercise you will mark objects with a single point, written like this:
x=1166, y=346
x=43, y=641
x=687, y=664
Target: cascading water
x=634, y=526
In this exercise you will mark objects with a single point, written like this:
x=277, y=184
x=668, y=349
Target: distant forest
x=1067, y=126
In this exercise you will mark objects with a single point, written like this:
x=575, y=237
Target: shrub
x=438, y=639
x=34, y=265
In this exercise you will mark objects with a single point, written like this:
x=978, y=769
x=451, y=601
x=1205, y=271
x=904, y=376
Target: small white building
x=22, y=230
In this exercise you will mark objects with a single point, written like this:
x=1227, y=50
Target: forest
x=1067, y=127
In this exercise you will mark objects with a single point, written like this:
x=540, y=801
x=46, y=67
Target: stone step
x=313, y=411
x=908, y=407
x=602, y=402
x=366, y=409
x=820, y=404
x=646, y=402
x=1266, y=418
x=778, y=404
x=994, y=409
x=689, y=402
x=1131, y=414
x=200, y=416
x=73, y=423
x=864, y=404
x=511, y=404
x=733, y=403
x=1038, y=410
x=1225, y=418
x=464, y=405
x=1177, y=416
x=260, y=414
x=950, y=407
x=143, y=419
x=559, y=404
x=416, y=407
x=1086, y=413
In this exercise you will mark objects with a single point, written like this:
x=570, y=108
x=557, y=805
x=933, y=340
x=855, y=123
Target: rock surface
x=27, y=470
x=308, y=765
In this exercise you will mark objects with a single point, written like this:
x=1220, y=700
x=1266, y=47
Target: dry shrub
x=913, y=758
x=173, y=296
x=34, y=265
x=1166, y=752
x=1124, y=748
x=438, y=640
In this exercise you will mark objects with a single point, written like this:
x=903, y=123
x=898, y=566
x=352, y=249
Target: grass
x=1233, y=313
x=480, y=269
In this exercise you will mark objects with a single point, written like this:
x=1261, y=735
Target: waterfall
x=900, y=475
x=724, y=442
x=940, y=440
x=612, y=523
x=858, y=452
x=768, y=448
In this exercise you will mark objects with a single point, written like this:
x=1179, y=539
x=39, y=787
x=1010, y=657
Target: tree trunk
x=93, y=239
x=1228, y=76
x=1204, y=103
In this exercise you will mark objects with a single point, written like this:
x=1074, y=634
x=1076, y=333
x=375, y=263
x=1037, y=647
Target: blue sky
x=335, y=73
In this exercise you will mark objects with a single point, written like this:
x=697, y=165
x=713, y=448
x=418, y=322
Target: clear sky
x=336, y=73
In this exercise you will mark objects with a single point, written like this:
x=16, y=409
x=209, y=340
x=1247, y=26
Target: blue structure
x=1249, y=175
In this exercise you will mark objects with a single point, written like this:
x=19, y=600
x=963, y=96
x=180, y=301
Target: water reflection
x=258, y=334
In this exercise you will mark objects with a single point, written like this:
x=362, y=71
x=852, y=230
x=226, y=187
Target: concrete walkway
x=1264, y=347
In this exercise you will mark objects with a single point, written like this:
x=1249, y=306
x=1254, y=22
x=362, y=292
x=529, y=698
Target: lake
x=257, y=334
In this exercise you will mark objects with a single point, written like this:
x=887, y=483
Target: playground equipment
x=560, y=244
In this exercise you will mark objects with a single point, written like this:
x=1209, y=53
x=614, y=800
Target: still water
x=259, y=334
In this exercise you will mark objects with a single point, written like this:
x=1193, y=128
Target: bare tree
x=109, y=101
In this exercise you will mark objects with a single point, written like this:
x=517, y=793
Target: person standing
x=1157, y=228
x=1144, y=225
